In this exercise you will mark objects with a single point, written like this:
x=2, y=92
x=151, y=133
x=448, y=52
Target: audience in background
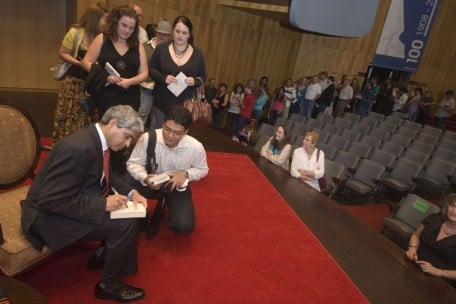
x=413, y=104
x=169, y=60
x=444, y=109
x=278, y=148
x=300, y=92
x=433, y=244
x=277, y=106
x=234, y=108
x=345, y=96
x=161, y=35
x=210, y=91
x=327, y=95
x=308, y=162
x=142, y=34
x=246, y=107
x=368, y=97
x=290, y=97
x=219, y=104
x=313, y=92
x=424, y=108
x=70, y=114
x=261, y=99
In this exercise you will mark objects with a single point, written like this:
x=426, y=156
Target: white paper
x=129, y=212
x=177, y=88
x=111, y=70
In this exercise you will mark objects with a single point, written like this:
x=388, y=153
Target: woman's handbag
x=61, y=67
x=201, y=111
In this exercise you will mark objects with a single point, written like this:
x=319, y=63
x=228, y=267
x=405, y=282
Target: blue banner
x=405, y=34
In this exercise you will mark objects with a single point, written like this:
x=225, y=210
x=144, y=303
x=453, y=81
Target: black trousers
x=181, y=211
x=120, y=239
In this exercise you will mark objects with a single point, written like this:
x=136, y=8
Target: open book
x=129, y=211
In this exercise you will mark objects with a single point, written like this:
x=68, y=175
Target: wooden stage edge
x=375, y=264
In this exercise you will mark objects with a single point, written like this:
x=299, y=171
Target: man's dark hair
x=180, y=115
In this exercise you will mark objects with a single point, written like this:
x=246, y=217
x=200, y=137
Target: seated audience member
x=179, y=155
x=308, y=162
x=70, y=200
x=433, y=245
x=247, y=135
x=278, y=149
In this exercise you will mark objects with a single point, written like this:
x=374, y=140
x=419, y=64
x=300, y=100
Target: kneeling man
x=176, y=154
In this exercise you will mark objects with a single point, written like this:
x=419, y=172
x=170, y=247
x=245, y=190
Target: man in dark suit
x=69, y=201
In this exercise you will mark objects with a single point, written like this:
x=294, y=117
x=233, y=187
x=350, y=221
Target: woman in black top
x=121, y=48
x=219, y=104
x=170, y=59
x=433, y=245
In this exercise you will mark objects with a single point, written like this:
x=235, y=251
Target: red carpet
x=248, y=247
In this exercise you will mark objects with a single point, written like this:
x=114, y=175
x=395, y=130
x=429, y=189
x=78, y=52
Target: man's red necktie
x=106, y=156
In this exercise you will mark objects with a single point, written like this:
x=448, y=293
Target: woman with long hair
x=69, y=116
x=177, y=58
x=119, y=46
x=278, y=148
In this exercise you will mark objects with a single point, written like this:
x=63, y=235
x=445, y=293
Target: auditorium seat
x=416, y=156
x=402, y=177
x=384, y=158
x=348, y=160
x=312, y=123
x=401, y=224
x=330, y=152
x=360, y=149
x=354, y=118
x=435, y=179
x=342, y=123
x=350, y=135
x=370, y=141
x=406, y=132
x=360, y=128
x=399, y=140
x=366, y=179
x=427, y=138
x=339, y=142
x=392, y=148
x=412, y=125
x=378, y=132
x=335, y=175
x=431, y=131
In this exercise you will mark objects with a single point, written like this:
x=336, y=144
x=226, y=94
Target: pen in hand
x=115, y=192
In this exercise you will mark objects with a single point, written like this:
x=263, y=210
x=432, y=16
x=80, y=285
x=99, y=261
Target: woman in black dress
x=171, y=59
x=433, y=245
x=119, y=47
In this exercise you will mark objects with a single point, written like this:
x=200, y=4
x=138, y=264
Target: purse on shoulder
x=61, y=67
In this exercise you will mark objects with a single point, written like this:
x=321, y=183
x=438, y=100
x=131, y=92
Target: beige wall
x=238, y=44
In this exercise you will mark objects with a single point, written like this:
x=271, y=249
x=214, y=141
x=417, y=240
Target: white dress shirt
x=300, y=160
x=189, y=155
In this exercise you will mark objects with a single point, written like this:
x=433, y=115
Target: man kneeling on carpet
x=72, y=195
x=169, y=153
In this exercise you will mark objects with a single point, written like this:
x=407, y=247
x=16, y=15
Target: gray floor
x=40, y=105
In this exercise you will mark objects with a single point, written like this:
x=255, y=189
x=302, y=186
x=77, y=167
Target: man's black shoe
x=118, y=291
x=96, y=259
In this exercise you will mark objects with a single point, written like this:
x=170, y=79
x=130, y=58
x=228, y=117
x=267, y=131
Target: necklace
x=179, y=54
x=448, y=229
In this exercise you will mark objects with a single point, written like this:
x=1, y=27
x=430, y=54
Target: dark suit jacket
x=65, y=200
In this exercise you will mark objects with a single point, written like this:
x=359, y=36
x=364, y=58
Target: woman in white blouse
x=308, y=163
x=278, y=149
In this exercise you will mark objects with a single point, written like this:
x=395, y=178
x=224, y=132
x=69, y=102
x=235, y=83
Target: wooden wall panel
x=238, y=43
x=31, y=32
